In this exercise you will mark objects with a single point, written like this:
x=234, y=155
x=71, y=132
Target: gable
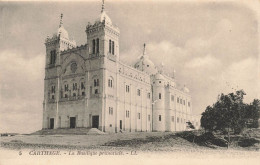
x=72, y=64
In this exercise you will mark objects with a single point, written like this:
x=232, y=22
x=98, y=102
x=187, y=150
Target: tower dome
x=61, y=30
x=63, y=33
x=145, y=64
x=103, y=16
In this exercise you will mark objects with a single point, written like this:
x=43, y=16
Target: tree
x=252, y=114
x=208, y=119
x=226, y=115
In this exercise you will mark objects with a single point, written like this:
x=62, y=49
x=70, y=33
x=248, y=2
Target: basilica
x=89, y=87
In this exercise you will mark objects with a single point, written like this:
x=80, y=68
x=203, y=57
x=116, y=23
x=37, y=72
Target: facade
x=88, y=86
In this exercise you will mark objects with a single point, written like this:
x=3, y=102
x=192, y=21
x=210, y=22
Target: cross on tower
x=61, y=20
x=144, y=51
x=103, y=6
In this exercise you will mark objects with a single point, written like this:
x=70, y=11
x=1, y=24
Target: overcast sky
x=212, y=46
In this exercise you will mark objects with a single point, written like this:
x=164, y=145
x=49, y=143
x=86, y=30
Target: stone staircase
x=69, y=131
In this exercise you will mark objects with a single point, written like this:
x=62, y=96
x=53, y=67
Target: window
x=52, y=97
x=139, y=115
x=160, y=82
x=178, y=100
x=52, y=89
x=53, y=57
x=74, y=94
x=75, y=86
x=83, y=93
x=183, y=102
x=66, y=87
x=149, y=117
x=148, y=95
x=172, y=118
x=147, y=65
x=189, y=104
x=127, y=88
x=172, y=98
x=93, y=46
x=160, y=117
x=110, y=125
x=127, y=114
x=113, y=47
x=160, y=96
x=97, y=45
x=96, y=91
x=110, y=83
x=110, y=44
x=178, y=120
x=66, y=96
x=96, y=82
x=138, y=92
x=110, y=110
x=82, y=86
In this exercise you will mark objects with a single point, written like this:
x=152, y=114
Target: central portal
x=51, y=123
x=72, y=122
x=95, y=121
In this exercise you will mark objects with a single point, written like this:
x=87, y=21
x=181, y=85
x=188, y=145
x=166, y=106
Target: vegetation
x=231, y=115
x=190, y=125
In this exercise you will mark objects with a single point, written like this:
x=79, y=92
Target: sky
x=212, y=46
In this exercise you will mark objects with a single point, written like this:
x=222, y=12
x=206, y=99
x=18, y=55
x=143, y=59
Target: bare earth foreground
x=122, y=144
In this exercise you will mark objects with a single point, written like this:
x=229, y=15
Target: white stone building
x=88, y=86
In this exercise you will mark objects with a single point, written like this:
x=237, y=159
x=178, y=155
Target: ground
x=141, y=142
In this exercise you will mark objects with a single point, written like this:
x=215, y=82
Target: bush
x=247, y=142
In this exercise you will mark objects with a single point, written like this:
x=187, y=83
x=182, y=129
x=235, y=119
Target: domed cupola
x=145, y=64
x=63, y=33
x=103, y=16
x=63, y=36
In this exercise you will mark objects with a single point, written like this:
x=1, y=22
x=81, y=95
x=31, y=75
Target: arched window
x=110, y=46
x=53, y=57
x=75, y=86
x=82, y=86
x=113, y=47
x=93, y=46
x=110, y=83
x=160, y=96
x=53, y=89
x=97, y=45
x=96, y=82
x=66, y=87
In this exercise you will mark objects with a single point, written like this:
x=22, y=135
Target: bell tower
x=58, y=42
x=54, y=45
x=103, y=37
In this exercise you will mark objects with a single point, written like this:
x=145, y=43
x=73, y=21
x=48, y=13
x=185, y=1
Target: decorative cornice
x=72, y=76
x=74, y=49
